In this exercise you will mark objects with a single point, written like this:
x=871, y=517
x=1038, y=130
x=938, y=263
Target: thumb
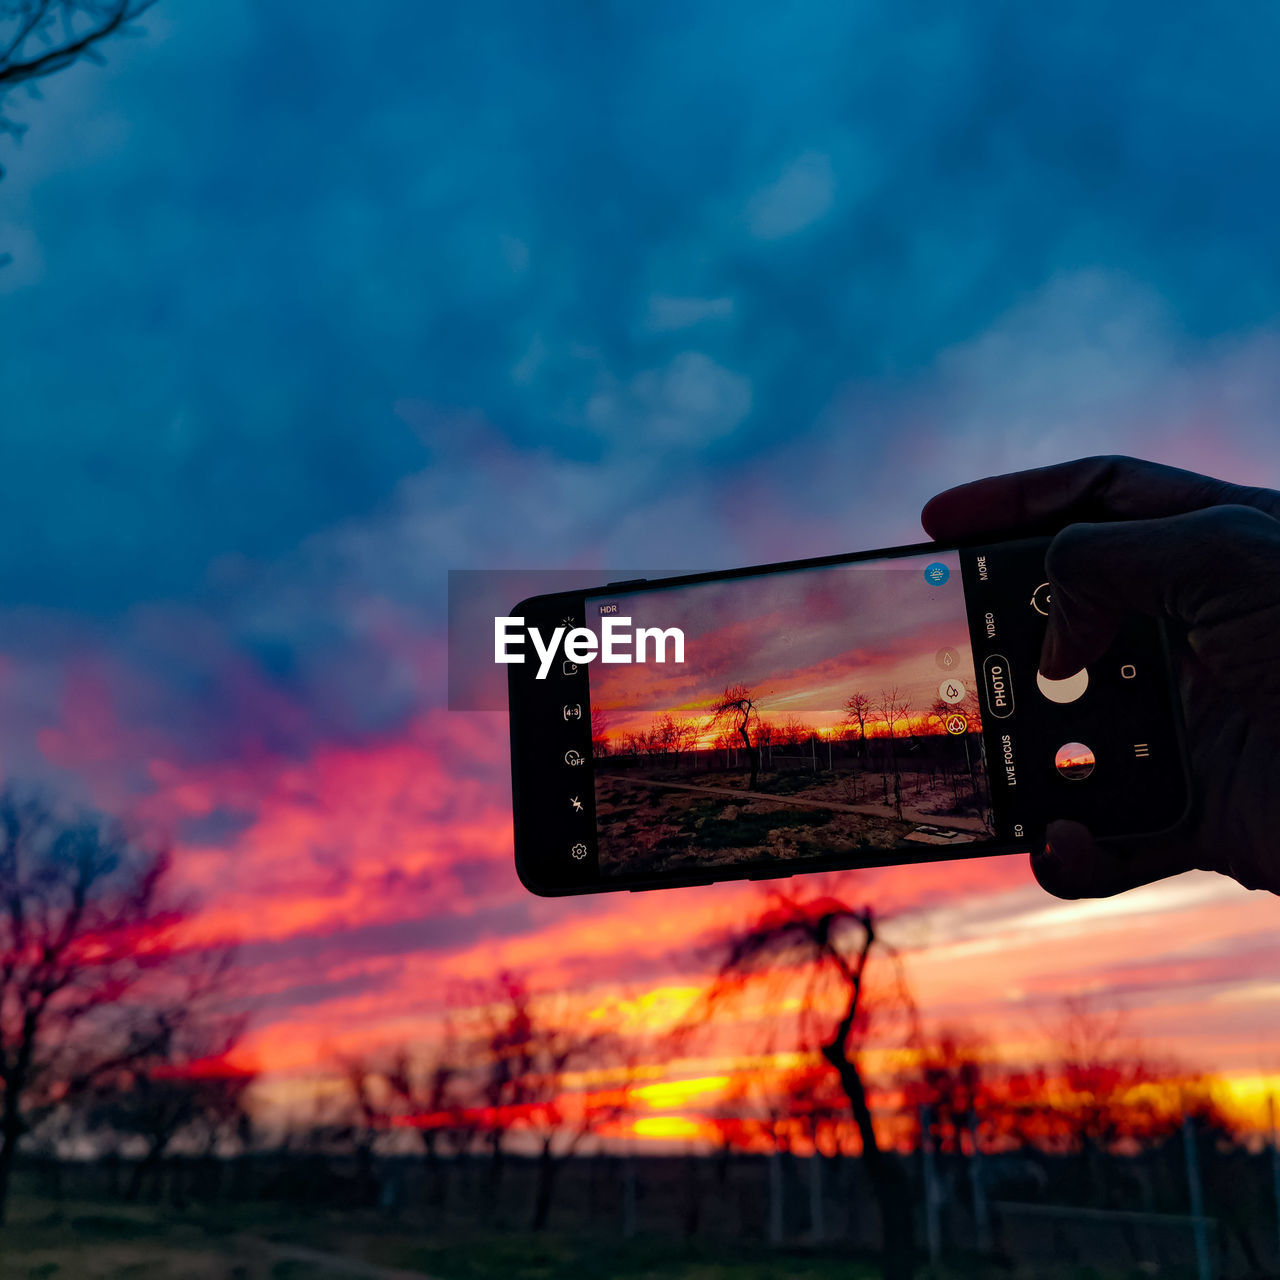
x=1200, y=569
x=1072, y=864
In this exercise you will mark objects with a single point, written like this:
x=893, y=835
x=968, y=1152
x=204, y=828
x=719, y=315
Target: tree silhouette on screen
x=736, y=708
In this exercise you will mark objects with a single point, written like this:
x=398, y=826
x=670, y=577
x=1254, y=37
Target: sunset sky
x=305, y=311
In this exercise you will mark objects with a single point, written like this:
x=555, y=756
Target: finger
x=1091, y=489
x=1072, y=864
x=1200, y=569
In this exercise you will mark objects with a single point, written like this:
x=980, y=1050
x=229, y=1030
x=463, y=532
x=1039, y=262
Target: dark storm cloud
x=255, y=233
x=306, y=310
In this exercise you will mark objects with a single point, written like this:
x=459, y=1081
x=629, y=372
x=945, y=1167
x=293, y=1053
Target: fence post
x=817, y=1207
x=1197, y=1199
x=933, y=1230
x=628, y=1195
x=775, y=1195
x=981, y=1214
x=1275, y=1158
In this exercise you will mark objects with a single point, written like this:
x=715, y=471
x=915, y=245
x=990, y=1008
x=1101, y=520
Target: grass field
x=671, y=821
x=91, y=1241
x=100, y=1242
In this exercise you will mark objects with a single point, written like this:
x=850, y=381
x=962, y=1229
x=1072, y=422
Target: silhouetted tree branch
x=186, y=1087
x=737, y=708
x=93, y=986
x=41, y=37
x=813, y=953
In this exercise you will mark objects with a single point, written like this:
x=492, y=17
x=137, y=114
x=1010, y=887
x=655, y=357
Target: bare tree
x=673, y=735
x=41, y=37
x=736, y=709
x=92, y=983
x=504, y=1021
x=186, y=1087
x=814, y=955
x=665, y=736
x=1110, y=1090
x=560, y=1117
x=894, y=708
x=952, y=1086
x=798, y=1111
x=795, y=733
x=857, y=707
x=432, y=1093
x=532, y=1045
x=767, y=737
x=940, y=710
x=599, y=734
x=358, y=1124
x=432, y=1098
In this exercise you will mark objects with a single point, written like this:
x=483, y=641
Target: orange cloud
x=365, y=879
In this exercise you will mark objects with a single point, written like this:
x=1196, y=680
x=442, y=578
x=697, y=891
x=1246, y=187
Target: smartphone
x=849, y=711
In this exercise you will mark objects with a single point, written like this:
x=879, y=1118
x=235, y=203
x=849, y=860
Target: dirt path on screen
x=867, y=810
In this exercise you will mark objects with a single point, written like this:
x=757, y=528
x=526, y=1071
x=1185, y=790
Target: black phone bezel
x=518, y=710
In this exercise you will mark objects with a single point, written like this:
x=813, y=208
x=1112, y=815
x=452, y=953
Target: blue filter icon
x=936, y=574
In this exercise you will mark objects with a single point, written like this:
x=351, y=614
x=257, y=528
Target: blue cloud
x=307, y=310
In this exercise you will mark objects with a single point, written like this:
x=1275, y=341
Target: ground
x=667, y=820
x=91, y=1241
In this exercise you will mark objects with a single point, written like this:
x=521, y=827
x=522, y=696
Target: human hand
x=1135, y=536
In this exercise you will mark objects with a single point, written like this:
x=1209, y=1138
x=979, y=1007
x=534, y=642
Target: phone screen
x=850, y=711
x=848, y=691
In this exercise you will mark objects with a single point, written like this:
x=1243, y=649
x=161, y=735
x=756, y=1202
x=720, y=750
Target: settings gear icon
x=579, y=850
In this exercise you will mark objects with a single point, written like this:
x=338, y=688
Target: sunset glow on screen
x=817, y=711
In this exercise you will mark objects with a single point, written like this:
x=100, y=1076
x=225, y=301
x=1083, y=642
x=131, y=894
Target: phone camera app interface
x=1098, y=746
